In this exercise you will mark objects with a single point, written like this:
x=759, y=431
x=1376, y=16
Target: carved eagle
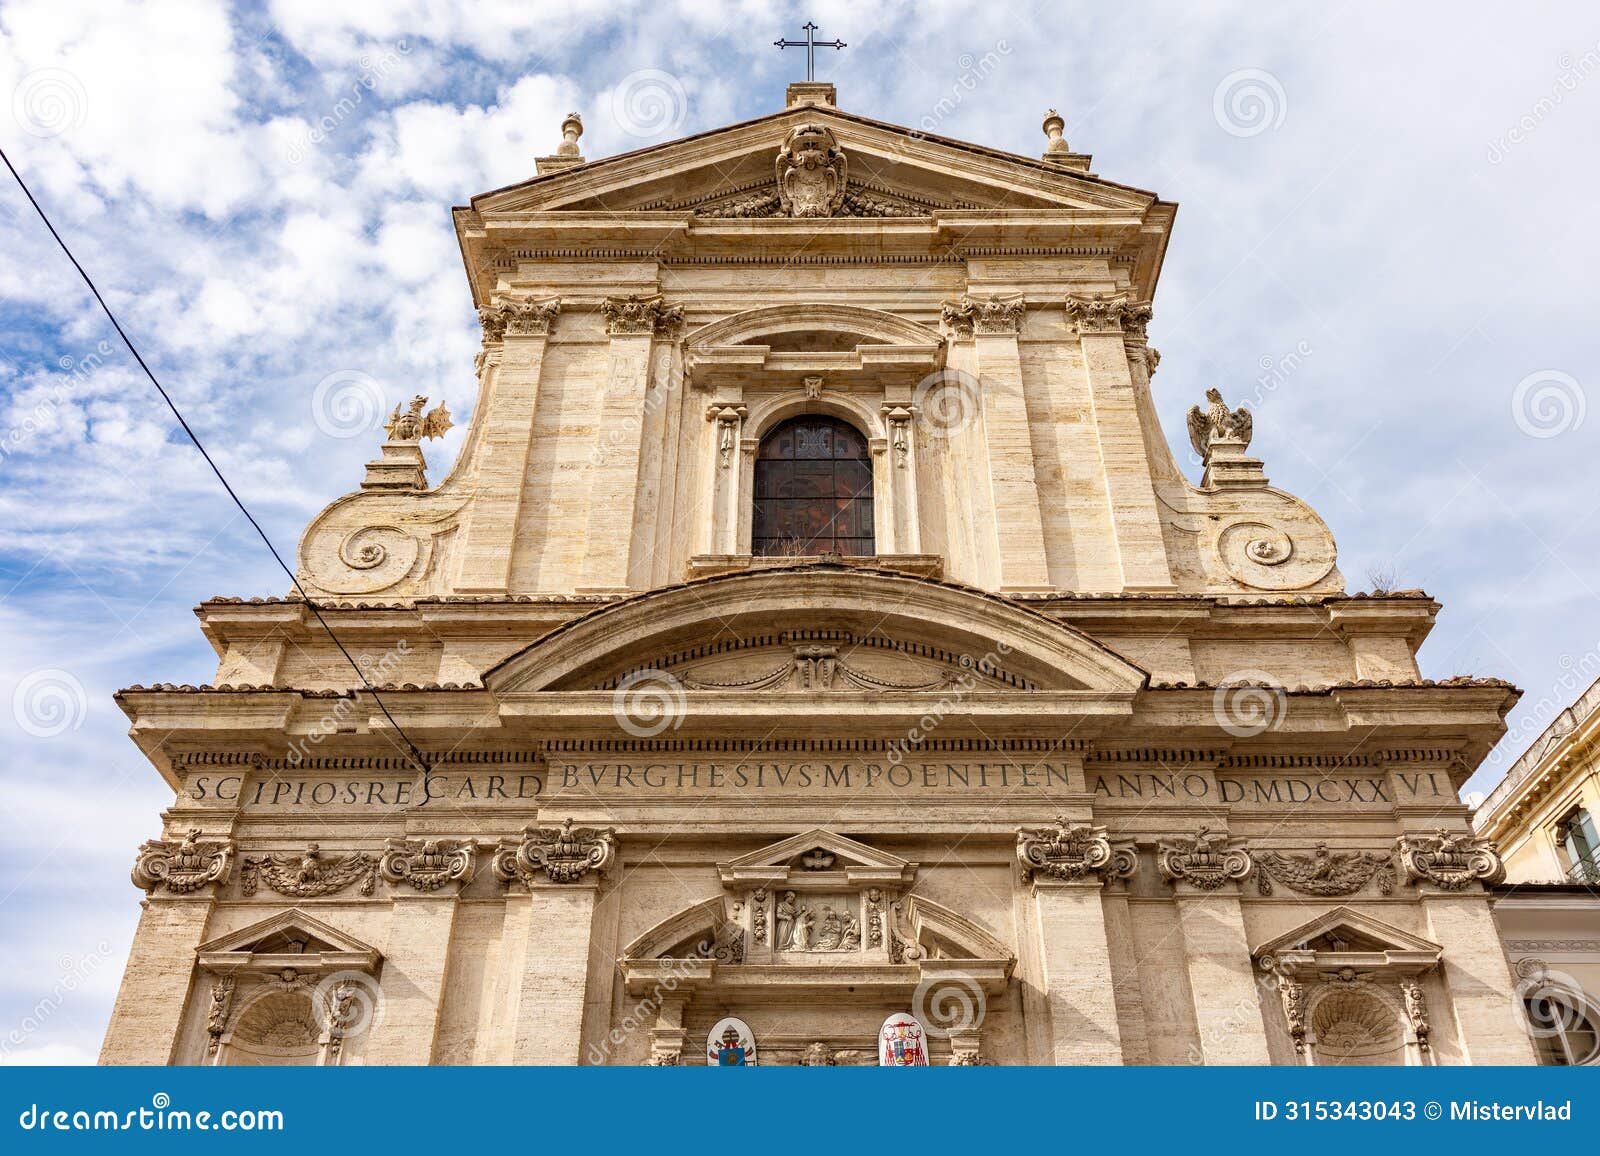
x=1217, y=421
x=411, y=425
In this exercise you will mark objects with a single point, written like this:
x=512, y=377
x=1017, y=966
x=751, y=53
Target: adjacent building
x=1542, y=816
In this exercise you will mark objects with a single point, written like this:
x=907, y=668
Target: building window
x=1562, y=1027
x=1576, y=835
x=813, y=490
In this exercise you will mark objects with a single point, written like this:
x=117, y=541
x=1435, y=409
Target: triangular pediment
x=816, y=851
x=1346, y=931
x=290, y=939
x=893, y=171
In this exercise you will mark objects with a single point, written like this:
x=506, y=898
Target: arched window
x=813, y=490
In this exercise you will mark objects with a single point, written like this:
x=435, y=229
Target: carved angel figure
x=1217, y=423
x=411, y=425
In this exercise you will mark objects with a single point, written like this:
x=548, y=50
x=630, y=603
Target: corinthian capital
x=973, y=315
x=183, y=867
x=1072, y=851
x=1205, y=860
x=1108, y=313
x=562, y=855
x=518, y=317
x=636, y=314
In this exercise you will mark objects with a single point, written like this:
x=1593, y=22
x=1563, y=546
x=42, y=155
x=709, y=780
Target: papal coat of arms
x=901, y=1043
x=731, y=1044
x=810, y=172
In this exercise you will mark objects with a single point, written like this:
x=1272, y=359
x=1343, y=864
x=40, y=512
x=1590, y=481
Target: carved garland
x=1323, y=872
x=309, y=875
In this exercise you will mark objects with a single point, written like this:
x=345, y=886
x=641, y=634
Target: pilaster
x=1205, y=872
x=148, y=1014
x=560, y=870
x=1016, y=532
x=1066, y=866
x=555, y=973
x=505, y=438
x=615, y=460
x=416, y=962
x=1102, y=322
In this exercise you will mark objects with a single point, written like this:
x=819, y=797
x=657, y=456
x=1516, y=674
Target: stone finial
x=1205, y=860
x=1054, y=126
x=1449, y=860
x=566, y=155
x=571, y=130
x=182, y=867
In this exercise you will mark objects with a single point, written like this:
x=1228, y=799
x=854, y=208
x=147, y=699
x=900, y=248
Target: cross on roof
x=810, y=44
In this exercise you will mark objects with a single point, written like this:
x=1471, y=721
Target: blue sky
x=1393, y=202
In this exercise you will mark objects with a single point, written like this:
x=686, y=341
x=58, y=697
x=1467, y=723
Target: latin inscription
x=300, y=791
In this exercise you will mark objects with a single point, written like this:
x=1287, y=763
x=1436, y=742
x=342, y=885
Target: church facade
x=816, y=655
